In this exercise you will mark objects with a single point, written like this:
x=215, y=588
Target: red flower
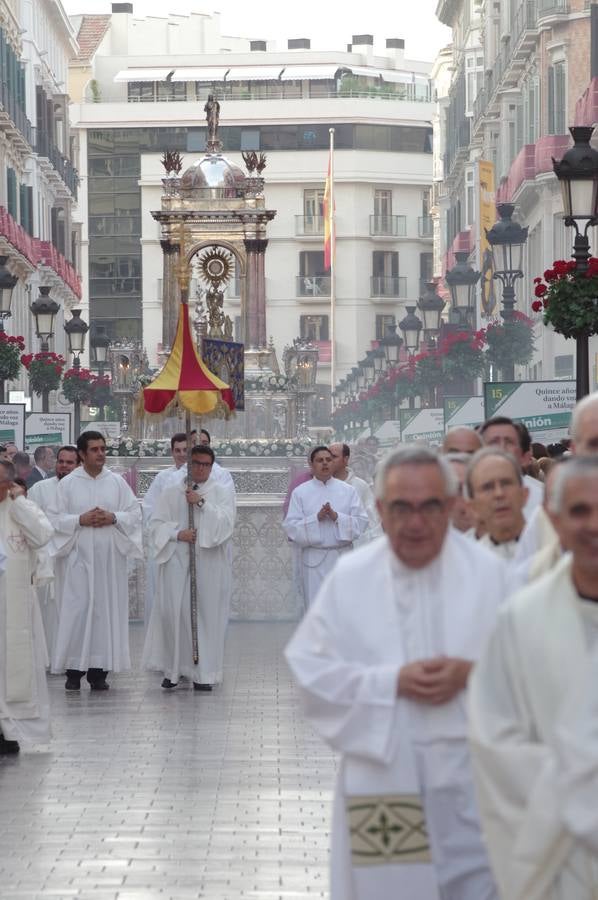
x=537, y=305
x=537, y=280
x=550, y=275
x=540, y=290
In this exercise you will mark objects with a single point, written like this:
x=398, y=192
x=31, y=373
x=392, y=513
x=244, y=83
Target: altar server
x=382, y=660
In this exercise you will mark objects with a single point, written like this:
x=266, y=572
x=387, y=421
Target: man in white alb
x=24, y=702
x=502, y=433
x=382, y=659
x=325, y=517
x=534, y=714
x=169, y=644
x=98, y=529
x=43, y=493
x=495, y=486
x=341, y=453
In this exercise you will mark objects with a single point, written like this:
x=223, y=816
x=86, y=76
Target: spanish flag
x=329, y=209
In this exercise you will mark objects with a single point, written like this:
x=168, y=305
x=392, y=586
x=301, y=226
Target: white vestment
x=366, y=495
x=535, y=497
x=372, y=616
x=323, y=542
x=24, y=703
x=168, y=645
x=163, y=479
x=506, y=550
x=93, y=630
x=532, y=704
x=44, y=494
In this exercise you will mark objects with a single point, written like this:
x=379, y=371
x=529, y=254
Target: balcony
x=313, y=286
x=552, y=8
x=394, y=286
x=388, y=226
x=13, y=119
x=49, y=256
x=62, y=166
x=425, y=226
x=308, y=226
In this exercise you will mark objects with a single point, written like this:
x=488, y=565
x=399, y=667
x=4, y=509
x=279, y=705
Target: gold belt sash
x=387, y=830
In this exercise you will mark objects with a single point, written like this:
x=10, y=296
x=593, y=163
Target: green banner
x=543, y=406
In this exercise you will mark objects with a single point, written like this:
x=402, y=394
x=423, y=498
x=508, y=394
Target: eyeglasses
x=429, y=509
x=201, y=465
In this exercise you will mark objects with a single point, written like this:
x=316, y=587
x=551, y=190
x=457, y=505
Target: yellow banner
x=487, y=218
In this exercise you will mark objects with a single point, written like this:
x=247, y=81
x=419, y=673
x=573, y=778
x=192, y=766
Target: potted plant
x=44, y=369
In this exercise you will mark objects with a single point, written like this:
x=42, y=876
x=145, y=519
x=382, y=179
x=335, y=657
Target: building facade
x=521, y=74
x=38, y=187
x=139, y=88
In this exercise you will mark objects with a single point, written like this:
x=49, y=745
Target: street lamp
x=461, y=281
x=379, y=358
x=100, y=342
x=577, y=172
x=431, y=306
x=7, y=283
x=76, y=329
x=411, y=327
x=369, y=367
x=391, y=345
x=44, y=311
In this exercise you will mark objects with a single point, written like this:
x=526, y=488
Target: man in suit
x=44, y=463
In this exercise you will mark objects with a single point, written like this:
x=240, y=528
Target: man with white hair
x=584, y=426
x=461, y=440
x=533, y=714
x=382, y=660
x=498, y=496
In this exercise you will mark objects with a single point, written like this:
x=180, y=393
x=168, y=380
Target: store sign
x=463, y=412
x=543, y=406
x=426, y=425
x=43, y=429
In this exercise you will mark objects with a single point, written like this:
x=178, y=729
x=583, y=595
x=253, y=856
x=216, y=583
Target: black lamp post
x=76, y=329
x=461, y=281
x=44, y=311
x=100, y=342
x=431, y=306
x=7, y=284
x=391, y=345
x=411, y=327
x=577, y=172
x=507, y=239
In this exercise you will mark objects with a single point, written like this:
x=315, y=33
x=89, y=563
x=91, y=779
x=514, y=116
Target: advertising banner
x=544, y=406
x=463, y=412
x=12, y=423
x=422, y=425
x=487, y=218
x=52, y=429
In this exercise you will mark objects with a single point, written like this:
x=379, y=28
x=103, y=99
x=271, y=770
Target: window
x=557, y=98
x=426, y=267
x=311, y=262
x=382, y=321
x=385, y=263
x=474, y=79
x=470, y=197
x=383, y=203
x=563, y=366
x=313, y=328
x=313, y=205
x=11, y=193
x=175, y=90
x=531, y=110
x=141, y=92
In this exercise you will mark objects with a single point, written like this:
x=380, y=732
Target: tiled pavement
x=147, y=795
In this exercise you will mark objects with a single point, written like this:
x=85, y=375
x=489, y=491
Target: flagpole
x=332, y=217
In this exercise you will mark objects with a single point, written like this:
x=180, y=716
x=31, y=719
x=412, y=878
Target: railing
x=308, y=225
x=412, y=94
x=526, y=19
x=313, y=285
x=553, y=7
x=394, y=226
x=388, y=286
x=16, y=112
x=44, y=147
x=425, y=226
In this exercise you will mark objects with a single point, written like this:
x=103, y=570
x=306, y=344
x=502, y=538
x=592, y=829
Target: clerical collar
x=501, y=543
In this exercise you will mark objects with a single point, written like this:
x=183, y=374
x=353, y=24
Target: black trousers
x=94, y=676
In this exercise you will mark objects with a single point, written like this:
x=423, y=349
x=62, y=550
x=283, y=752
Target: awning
x=364, y=72
x=309, y=73
x=205, y=73
x=143, y=75
x=254, y=73
x=404, y=77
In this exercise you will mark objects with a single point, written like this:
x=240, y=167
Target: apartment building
x=521, y=74
x=139, y=87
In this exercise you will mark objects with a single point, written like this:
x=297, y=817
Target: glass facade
x=114, y=195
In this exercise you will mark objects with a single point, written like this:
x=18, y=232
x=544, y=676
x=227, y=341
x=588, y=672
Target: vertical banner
x=487, y=218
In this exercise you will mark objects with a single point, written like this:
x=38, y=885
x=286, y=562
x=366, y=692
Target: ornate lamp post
x=411, y=327
x=507, y=240
x=577, y=172
x=431, y=306
x=44, y=311
x=391, y=345
x=100, y=342
x=76, y=329
x=461, y=281
x=301, y=361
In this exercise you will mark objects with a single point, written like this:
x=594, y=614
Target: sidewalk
x=146, y=795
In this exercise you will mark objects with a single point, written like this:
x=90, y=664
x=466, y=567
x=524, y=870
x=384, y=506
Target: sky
x=329, y=24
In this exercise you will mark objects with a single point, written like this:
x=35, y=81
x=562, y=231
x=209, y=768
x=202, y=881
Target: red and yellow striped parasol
x=186, y=380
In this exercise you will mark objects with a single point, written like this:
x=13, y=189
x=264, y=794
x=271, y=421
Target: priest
x=533, y=714
x=169, y=640
x=325, y=517
x=498, y=497
x=98, y=529
x=382, y=660
x=24, y=702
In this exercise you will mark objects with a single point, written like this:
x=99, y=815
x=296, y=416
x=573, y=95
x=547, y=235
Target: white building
x=38, y=186
x=139, y=88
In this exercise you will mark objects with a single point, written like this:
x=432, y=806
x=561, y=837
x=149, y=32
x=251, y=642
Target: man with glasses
x=169, y=641
x=498, y=497
x=382, y=660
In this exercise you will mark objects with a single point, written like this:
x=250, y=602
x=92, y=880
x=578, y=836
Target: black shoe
x=201, y=687
x=99, y=686
x=72, y=685
x=8, y=748
x=169, y=685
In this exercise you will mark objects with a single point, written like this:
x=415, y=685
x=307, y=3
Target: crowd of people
x=448, y=650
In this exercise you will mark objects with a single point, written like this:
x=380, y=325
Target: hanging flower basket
x=77, y=386
x=510, y=343
x=568, y=298
x=100, y=393
x=11, y=348
x=44, y=369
